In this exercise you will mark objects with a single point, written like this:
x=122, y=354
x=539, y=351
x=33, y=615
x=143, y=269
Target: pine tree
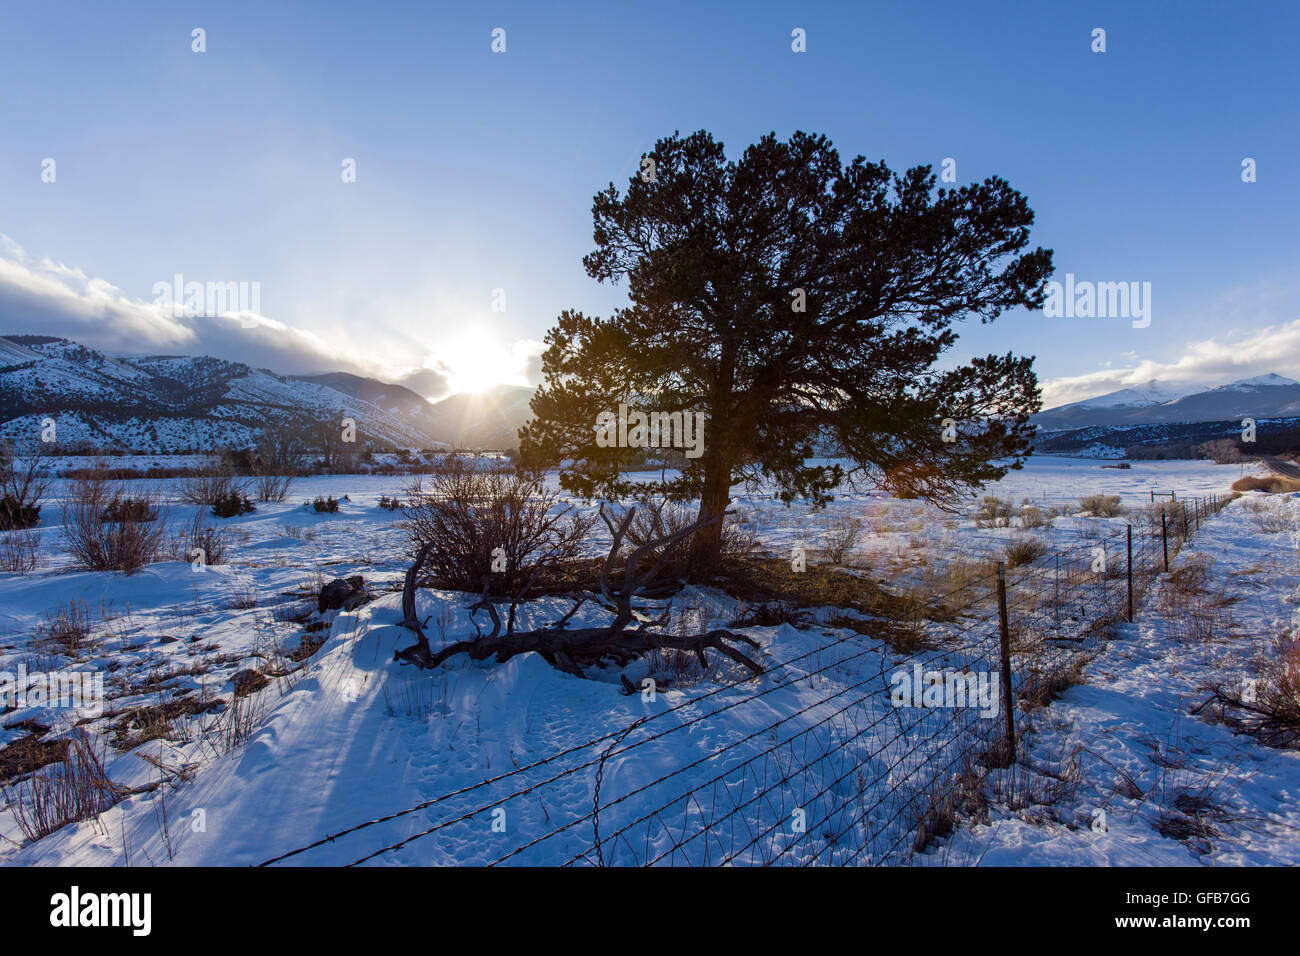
x=792, y=299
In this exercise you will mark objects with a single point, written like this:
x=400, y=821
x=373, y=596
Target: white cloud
x=1235, y=355
x=44, y=297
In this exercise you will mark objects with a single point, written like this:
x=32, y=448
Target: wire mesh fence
x=850, y=753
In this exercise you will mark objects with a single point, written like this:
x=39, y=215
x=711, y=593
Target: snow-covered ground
x=353, y=737
x=1133, y=767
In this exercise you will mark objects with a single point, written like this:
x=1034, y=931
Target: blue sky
x=475, y=170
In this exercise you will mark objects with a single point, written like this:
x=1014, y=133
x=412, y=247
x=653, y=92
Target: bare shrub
x=1045, y=785
x=1187, y=583
x=214, y=480
x=19, y=551
x=739, y=540
x=76, y=788
x=272, y=487
x=1101, y=506
x=125, y=508
x=673, y=668
x=1278, y=698
x=276, y=461
x=1221, y=451
x=101, y=537
x=1271, y=516
x=1171, y=510
x=1034, y=517
x=1198, y=610
x=1269, y=705
x=659, y=518
x=841, y=537
x=464, y=515
x=200, y=542
x=993, y=512
x=769, y=614
x=1045, y=681
x=947, y=801
x=949, y=588
x=1024, y=551
x=23, y=484
x=655, y=519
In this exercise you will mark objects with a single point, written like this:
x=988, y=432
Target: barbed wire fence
x=851, y=753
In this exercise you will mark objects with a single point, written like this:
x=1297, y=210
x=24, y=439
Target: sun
x=477, y=362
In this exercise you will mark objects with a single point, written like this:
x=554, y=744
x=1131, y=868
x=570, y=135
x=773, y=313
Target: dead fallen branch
x=574, y=650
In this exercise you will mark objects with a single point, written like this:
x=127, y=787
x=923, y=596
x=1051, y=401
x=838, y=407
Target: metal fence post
x=1130, y=574
x=1056, y=604
x=1008, y=700
x=1164, y=537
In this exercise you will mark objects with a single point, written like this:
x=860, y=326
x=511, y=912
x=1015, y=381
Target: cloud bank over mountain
x=1233, y=356
x=52, y=298
x=39, y=294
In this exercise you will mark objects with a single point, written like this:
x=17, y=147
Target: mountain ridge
x=162, y=403
x=1258, y=397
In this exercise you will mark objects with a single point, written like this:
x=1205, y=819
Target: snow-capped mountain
x=171, y=403
x=1155, y=402
x=1259, y=381
x=1154, y=392
x=487, y=419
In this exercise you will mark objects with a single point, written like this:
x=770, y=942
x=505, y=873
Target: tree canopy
x=793, y=300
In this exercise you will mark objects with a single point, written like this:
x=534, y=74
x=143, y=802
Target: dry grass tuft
x=840, y=535
x=993, y=512
x=1199, y=610
x=1272, y=516
x=76, y=788
x=1272, y=484
x=19, y=551
x=1034, y=517
x=67, y=630
x=1101, y=506
x=1024, y=551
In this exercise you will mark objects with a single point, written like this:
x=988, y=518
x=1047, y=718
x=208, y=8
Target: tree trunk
x=706, y=549
x=706, y=553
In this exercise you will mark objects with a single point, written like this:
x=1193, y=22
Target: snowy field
x=490, y=759
x=1132, y=767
